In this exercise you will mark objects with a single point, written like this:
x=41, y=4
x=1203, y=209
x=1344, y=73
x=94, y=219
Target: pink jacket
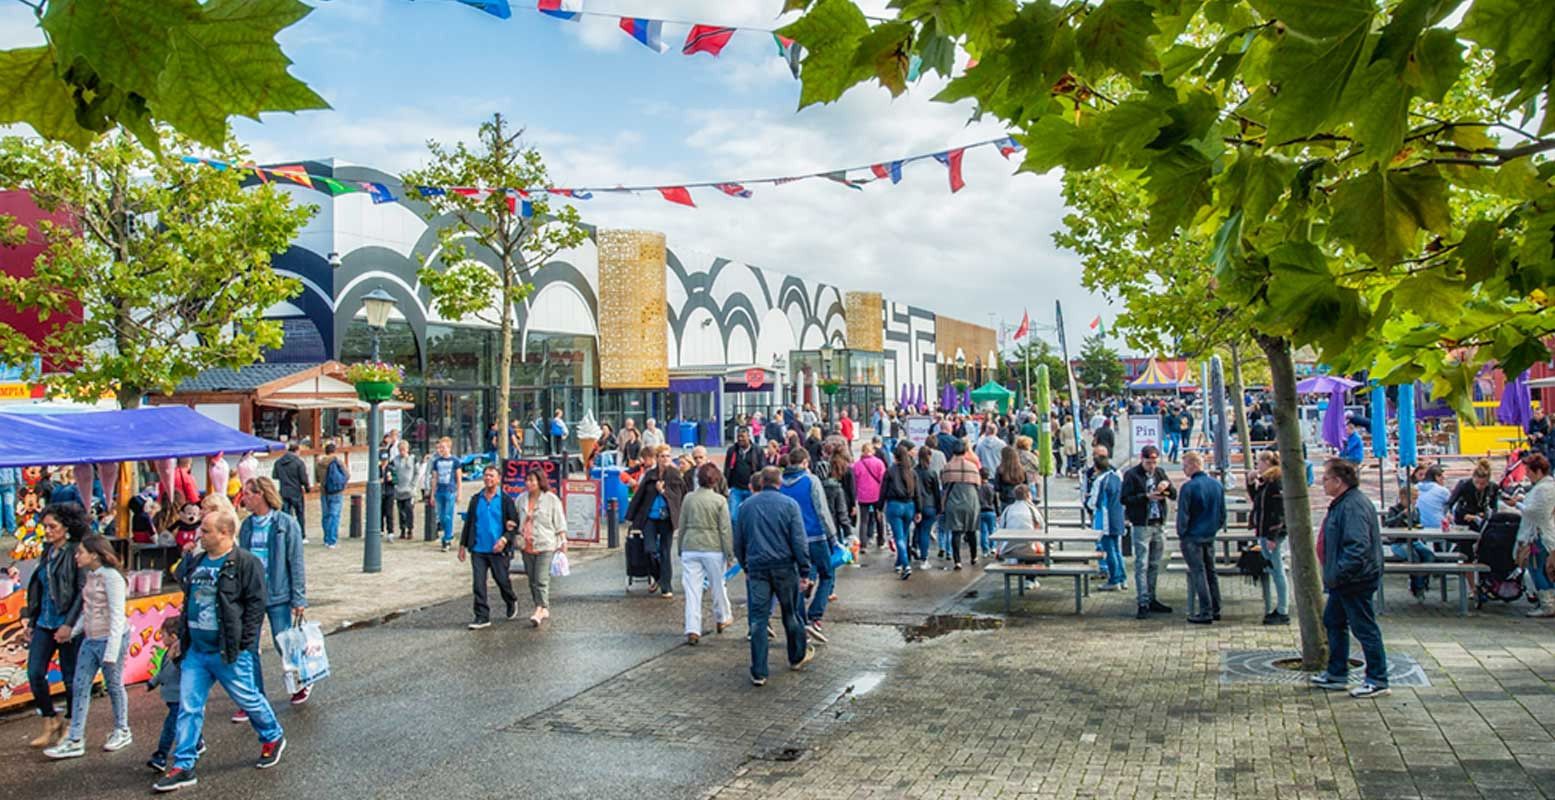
x=867, y=474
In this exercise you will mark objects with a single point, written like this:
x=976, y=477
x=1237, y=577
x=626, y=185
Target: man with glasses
x=1350, y=547
x=1146, y=490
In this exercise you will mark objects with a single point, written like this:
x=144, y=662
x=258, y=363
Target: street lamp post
x=826, y=356
x=377, y=304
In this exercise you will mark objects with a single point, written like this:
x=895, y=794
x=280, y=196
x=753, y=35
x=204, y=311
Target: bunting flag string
x=519, y=198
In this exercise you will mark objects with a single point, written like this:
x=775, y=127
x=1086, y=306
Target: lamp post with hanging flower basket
x=375, y=382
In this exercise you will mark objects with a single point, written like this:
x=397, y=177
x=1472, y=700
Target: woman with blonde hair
x=275, y=538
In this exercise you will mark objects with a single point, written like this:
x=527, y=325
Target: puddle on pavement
x=941, y=624
x=864, y=683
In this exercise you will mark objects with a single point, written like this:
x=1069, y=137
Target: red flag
x=295, y=173
x=952, y=159
x=1096, y=323
x=709, y=39
x=677, y=194
x=1025, y=326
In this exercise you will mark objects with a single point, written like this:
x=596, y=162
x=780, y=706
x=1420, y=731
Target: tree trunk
x=505, y=380
x=1241, y=412
x=1306, y=577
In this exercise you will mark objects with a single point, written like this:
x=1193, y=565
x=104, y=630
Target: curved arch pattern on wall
x=814, y=313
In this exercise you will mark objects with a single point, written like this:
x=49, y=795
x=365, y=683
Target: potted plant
x=960, y=384
x=375, y=382
x=829, y=385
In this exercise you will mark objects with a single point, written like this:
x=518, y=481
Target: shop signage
x=515, y=471
x=582, y=506
x=1143, y=430
x=755, y=378
x=918, y=430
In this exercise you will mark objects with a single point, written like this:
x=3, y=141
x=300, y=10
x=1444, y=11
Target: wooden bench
x=1081, y=573
x=1445, y=570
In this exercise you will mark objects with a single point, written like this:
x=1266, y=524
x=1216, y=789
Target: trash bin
x=611, y=486
x=672, y=433
x=688, y=434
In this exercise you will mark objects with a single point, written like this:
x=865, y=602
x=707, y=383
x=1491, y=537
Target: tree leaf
x=1436, y=64
x=1227, y=243
x=830, y=33
x=1319, y=18
x=1179, y=182
x=1519, y=34
x=1382, y=212
x=1306, y=301
x=1380, y=103
x=227, y=63
x=1410, y=18
x=1310, y=77
x=983, y=19
x=1056, y=142
x=31, y=93
x=1116, y=36
x=126, y=42
x=884, y=52
x=1255, y=183
x=1130, y=125
x=1476, y=253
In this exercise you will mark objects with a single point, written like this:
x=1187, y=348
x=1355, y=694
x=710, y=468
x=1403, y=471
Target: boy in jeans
x=166, y=681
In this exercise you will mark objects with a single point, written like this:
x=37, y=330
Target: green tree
x=161, y=270
x=1036, y=352
x=1100, y=369
x=502, y=229
x=1318, y=148
x=186, y=64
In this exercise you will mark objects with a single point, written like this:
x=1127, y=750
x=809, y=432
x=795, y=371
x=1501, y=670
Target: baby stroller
x=1497, y=546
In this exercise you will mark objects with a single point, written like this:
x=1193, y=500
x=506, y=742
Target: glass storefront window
x=458, y=356
x=555, y=359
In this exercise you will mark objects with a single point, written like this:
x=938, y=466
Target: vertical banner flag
x=569, y=10
x=677, y=194
x=709, y=39
x=892, y=170
x=952, y=159
x=1025, y=326
x=648, y=31
x=1379, y=421
x=1096, y=326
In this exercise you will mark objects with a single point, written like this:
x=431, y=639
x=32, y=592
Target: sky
x=605, y=110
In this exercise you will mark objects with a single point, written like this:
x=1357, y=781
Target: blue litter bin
x=672, y=433
x=611, y=486
x=688, y=434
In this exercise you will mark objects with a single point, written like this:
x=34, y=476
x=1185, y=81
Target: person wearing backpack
x=333, y=482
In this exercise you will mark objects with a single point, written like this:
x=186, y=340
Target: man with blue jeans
x=1350, y=547
x=275, y=538
x=1201, y=513
x=443, y=477
x=769, y=542
x=820, y=531
x=332, y=477
x=224, y=607
x=1146, y=491
x=741, y=464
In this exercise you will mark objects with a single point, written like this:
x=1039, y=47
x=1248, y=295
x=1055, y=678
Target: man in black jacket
x=291, y=478
x=1350, y=547
x=224, y=606
x=742, y=463
x=1146, y=491
x=490, y=535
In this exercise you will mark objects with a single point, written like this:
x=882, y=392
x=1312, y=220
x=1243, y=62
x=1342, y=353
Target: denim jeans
x=1536, y=559
x=761, y=587
x=1149, y=548
x=40, y=650
x=446, y=500
x=1274, y=553
x=280, y=617
x=1203, y=584
x=658, y=538
x=898, y=514
x=987, y=523
x=826, y=578
x=925, y=535
x=736, y=497
x=296, y=507
x=1112, y=565
x=330, y=511
x=169, y=735
x=88, y=661
x=697, y=568
x=1423, y=555
x=7, y=510
x=1353, y=613
x=202, y=670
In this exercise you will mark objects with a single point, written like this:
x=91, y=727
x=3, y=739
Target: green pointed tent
x=991, y=392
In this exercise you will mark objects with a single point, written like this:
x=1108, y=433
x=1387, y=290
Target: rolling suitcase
x=638, y=565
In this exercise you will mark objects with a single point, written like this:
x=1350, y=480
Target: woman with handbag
x=1268, y=520
x=544, y=534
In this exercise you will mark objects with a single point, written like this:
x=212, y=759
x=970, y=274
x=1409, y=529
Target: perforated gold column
x=866, y=321
x=633, y=326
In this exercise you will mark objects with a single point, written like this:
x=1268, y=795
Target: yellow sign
x=15, y=391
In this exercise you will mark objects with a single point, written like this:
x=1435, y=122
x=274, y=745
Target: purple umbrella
x=1333, y=418
x=917, y=398
x=947, y=397
x=1516, y=405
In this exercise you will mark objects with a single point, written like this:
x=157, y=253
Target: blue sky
x=605, y=110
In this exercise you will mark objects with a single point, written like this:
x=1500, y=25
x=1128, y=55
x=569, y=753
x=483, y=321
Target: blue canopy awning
x=142, y=434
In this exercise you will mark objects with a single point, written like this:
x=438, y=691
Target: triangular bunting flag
x=841, y=176
x=561, y=9
x=648, y=31
x=710, y=39
x=790, y=51
x=734, y=190
x=334, y=187
x=677, y=194
x=892, y=170
x=1009, y=147
x=294, y=173
x=259, y=172
x=496, y=8
x=577, y=194
x=914, y=68
x=952, y=159
x=430, y=191
x=379, y=192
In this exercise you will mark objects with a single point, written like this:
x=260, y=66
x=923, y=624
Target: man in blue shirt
x=1201, y=513
x=769, y=542
x=1354, y=449
x=443, y=480
x=1431, y=504
x=490, y=536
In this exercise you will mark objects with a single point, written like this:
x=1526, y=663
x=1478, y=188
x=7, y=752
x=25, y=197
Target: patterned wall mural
x=909, y=350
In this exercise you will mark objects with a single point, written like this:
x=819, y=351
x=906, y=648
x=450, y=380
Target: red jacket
x=847, y=428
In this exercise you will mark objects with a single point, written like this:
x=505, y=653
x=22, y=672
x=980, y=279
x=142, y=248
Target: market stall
x=103, y=446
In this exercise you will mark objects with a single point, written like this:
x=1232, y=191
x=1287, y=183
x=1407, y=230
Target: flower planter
x=375, y=391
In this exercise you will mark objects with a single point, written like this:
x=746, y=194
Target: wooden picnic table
x=1079, y=566
x=1461, y=571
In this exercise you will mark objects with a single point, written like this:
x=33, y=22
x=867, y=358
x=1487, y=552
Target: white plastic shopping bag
x=559, y=566
x=303, y=656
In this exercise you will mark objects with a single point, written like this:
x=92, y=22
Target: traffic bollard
x=356, y=516
x=429, y=522
x=613, y=524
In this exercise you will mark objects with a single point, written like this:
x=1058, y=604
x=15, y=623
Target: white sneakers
x=75, y=748
x=118, y=740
